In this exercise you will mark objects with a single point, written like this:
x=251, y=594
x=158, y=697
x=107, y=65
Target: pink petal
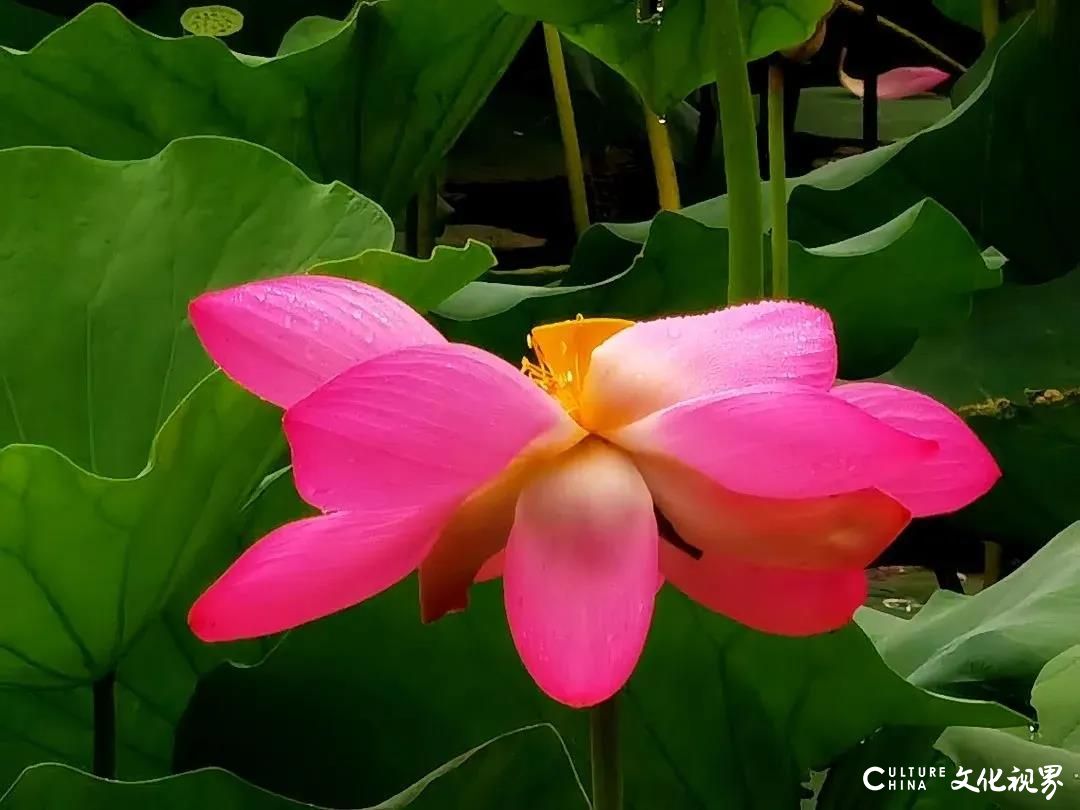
x=283, y=338
x=581, y=574
x=961, y=471
x=656, y=364
x=423, y=425
x=779, y=441
x=838, y=531
x=899, y=83
x=782, y=601
x=312, y=568
x=493, y=568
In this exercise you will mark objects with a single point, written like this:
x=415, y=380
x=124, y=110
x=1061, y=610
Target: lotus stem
x=667, y=181
x=778, y=182
x=746, y=265
x=607, y=785
x=991, y=19
x=885, y=22
x=104, y=700
x=564, y=106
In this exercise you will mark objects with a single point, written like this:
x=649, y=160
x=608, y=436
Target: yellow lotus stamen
x=563, y=351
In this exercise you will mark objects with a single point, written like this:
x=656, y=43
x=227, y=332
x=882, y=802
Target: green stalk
x=663, y=159
x=564, y=106
x=746, y=265
x=991, y=19
x=607, y=783
x=778, y=182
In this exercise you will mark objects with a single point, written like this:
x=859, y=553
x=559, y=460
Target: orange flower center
x=563, y=352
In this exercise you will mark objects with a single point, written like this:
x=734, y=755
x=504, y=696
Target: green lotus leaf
x=991, y=645
x=666, y=56
x=376, y=104
x=459, y=783
x=126, y=463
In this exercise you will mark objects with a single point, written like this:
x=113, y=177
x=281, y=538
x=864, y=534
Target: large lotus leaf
x=843, y=788
x=834, y=112
x=95, y=349
x=1054, y=742
x=97, y=357
x=1013, y=369
x=1019, y=339
x=101, y=259
x=424, y=283
x=883, y=288
x=715, y=715
x=491, y=772
x=981, y=751
x=666, y=56
x=993, y=644
x=1057, y=701
x=375, y=105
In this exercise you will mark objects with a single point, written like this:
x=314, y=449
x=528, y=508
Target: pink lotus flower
x=775, y=488
x=901, y=82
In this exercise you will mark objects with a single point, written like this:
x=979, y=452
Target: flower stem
x=667, y=181
x=104, y=699
x=604, y=748
x=564, y=106
x=746, y=268
x=991, y=19
x=778, y=182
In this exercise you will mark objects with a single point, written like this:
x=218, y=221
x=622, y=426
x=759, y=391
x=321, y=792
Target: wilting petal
x=836, y=531
x=416, y=426
x=782, y=601
x=655, y=364
x=283, y=338
x=898, y=83
x=961, y=471
x=581, y=573
x=478, y=530
x=312, y=568
x=779, y=441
